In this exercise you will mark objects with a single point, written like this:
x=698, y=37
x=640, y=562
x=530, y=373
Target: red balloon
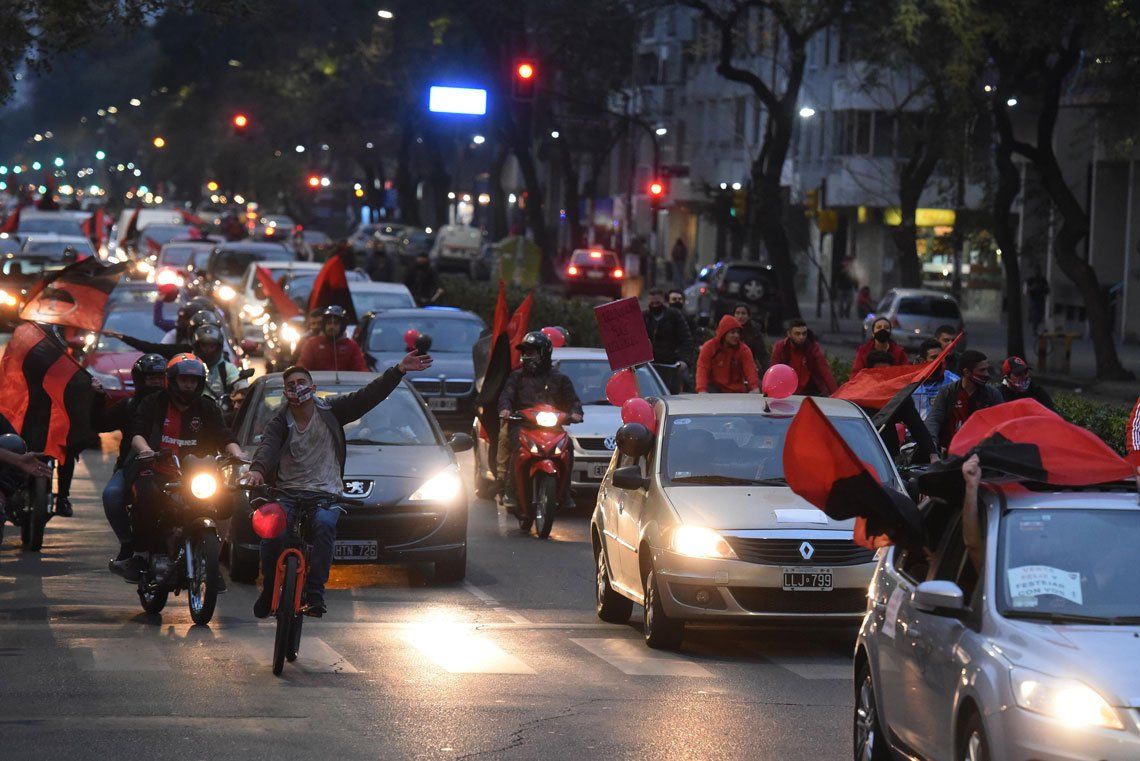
x=556, y=337
x=168, y=292
x=410, y=336
x=269, y=521
x=621, y=387
x=638, y=410
x=780, y=381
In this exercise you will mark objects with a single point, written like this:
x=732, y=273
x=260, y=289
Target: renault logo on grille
x=806, y=550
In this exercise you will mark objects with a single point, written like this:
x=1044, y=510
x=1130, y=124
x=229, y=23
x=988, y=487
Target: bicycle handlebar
x=303, y=496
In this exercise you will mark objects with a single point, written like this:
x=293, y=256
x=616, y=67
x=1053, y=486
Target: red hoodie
x=317, y=354
x=809, y=363
x=898, y=354
x=726, y=369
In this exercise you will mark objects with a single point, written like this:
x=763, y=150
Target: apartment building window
x=853, y=134
x=671, y=21
x=884, y=138
x=822, y=117
x=739, y=135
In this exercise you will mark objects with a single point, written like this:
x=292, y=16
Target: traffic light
x=314, y=181
x=523, y=80
x=656, y=192
x=240, y=122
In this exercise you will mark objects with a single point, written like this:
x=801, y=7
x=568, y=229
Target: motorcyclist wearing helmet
x=16, y=463
x=223, y=378
x=332, y=349
x=180, y=421
x=182, y=331
x=197, y=320
x=149, y=377
x=536, y=382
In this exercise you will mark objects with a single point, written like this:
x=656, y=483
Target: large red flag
x=44, y=393
x=820, y=467
x=191, y=219
x=331, y=288
x=284, y=305
x=1132, y=436
x=93, y=228
x=875, y=387
x=75, y=296
x=12, y=223
x=518, y=327
x=505, y=335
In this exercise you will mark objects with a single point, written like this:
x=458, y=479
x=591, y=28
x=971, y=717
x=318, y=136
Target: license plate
x=353, y=549
x=598, y=471
x=443, y=404
x=595, y=275
x=807, y=579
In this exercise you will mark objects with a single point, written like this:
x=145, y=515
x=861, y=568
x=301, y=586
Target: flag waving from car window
x=331, y=288
x=820, y=467
x=76, y=296
x=284, y=305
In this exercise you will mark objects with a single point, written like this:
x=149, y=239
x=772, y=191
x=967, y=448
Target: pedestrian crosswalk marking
x=117, y=655
x=315, y=655
x=459, y=650
x=815, y=668
x=636, y=659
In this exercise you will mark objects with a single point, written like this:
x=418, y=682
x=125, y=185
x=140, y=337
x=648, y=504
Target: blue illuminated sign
x=457, y=100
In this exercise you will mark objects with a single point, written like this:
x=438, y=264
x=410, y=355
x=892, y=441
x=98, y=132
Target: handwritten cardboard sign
x=624, y=337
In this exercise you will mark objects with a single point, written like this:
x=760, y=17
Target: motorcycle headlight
x=203, y=486
x=289, y=334
x=225, y=293
x=700, y=542
x=1068, y=701
x=444, y=486
x=546, y=419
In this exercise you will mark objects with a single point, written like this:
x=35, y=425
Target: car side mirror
x=630, y=478
x=939, y=598
x=460, y=442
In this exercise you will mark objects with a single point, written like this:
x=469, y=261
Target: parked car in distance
x=723, y=286
x=594, y=272
x=455, y=247
x=915, y=315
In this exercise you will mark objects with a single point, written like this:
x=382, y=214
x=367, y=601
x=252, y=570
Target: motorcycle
x=188, y=525
x=30, y=505
x=542, y=466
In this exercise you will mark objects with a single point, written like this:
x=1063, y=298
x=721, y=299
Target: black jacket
x=753, y=337
x=335, y=413
x=942, y=407
x=204, y=433
x=670, y=336
x=423, y=282
x=118, y=417
x=1035, y=392
x=524, y=390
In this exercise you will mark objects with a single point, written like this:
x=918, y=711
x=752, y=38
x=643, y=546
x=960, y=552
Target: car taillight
x=571, y=270
x=617, y=273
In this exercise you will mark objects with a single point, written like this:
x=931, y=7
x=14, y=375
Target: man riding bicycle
x=303, y=448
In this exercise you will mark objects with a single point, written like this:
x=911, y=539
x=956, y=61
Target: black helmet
x=147, y=364
x=185, y=364
x=10, y=442
x=207, y=333
x=335, y=312
x=204, y=317
x=536, y=349
x=186, y=311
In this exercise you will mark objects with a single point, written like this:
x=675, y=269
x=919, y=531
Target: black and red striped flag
x=93, y=228
x=75, y=296
x=132, y=229
x=331, y=287
x=12, y=223
x=505, y=334
x=284, y=305
x=44, y=393
x=820, y=467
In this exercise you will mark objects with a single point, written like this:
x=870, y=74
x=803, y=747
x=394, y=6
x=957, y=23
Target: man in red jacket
x=331, y=349
x=880, y=341
x=725, y=363
x=800, y=351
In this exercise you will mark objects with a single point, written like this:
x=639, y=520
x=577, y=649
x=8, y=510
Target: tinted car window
x=136, y=324
x=53, y=249
x=56, y=226
x=398, y=420
x=752, y=446
x=377, y=301
x=179, y=256
x=165, y=233
x=447, y=334
x=231, y=265
x=606, y=259
x=927, y=307
x=590, y=376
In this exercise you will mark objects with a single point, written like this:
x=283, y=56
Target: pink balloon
x=638, y=410
x=410, y=336
x=556, y=337
x=621, y=387
x=780, y=382
x=269, y=521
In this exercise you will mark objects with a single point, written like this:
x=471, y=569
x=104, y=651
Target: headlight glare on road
x=700, y=542
x=444, y=486
x=546, y=419
x=203, y=486
x=225, y=293
x=1070, y=702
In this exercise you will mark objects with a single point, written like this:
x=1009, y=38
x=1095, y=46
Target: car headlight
x=533, y=448
x=289, y=334
x=225, y=293
x=546, y=419
x=110, y=382
x=7, y=299
x=253, y=310
x=1068, y=701
x=203, y=486
x=700, y=542
x=444, y=486
x=143, y=266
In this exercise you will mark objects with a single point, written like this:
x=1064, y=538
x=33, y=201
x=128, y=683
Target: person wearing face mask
x=331, y=349
x=880, y=341
x=956, y=402
x=924, y=395
x=1016, y=383
x=800, y=351
x=423, y=281
x=222, y=377
x=669, y=334
x=536, y=382
x=725, y=364
x=303, y=448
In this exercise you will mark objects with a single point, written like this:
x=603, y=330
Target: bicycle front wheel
x=286, y=615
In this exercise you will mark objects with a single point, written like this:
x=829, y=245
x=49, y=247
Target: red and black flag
x=93, y=228
x=12, y=223
x=132, y=229
x=1026, y=440
x=331, y=287
x=284, y=305
x=191, y=219
x=1132, y=436
x=75, y=296
x=820, y=467
x=505, y=334
x=44, y=393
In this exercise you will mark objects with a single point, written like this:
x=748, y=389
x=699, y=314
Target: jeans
x=115, y=506
x=322, y=534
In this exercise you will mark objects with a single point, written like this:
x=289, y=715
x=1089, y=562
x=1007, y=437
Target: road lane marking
x=316, y=657
x=483, y=596
x=826, y=667
x=459, y=650
x=634, y=658
x=117, y=655
x=487, y=599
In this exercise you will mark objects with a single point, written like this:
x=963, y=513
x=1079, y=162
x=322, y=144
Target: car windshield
x=229, y=266
x=176, y=255
x=165, y=233
x=447, y=334
x=719, y=449
x=53, y=249
x=132, y=322
x=590, y=376
x=51, y=226
x=941, y=308
x=1071, y=563
x=596, y=258
x=398, y=420
x=379, y=301
x=138, y=292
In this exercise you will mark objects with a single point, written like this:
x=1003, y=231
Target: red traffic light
x=241, y=121
x=656, y=188
x=523, y=82
x=525, y=70
x=314, y=181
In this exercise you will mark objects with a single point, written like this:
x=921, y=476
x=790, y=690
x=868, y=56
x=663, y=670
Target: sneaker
x=132, y=568
x=315, y=604
x=509, y=502
x=264, y=604
x=63, y=507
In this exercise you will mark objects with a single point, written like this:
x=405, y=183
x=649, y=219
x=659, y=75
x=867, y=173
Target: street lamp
x=385, y=14
x=478, y=140
x=300, y=149
x=1011, y=102
x=159, y=142
x=100, y=155
x=58, y=161
x=807, y=112
x=555, y=134
x=661, y=131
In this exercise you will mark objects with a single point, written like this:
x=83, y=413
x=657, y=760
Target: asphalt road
x=510, y=664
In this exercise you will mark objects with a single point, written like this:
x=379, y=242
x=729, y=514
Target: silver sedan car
x=1035, y=657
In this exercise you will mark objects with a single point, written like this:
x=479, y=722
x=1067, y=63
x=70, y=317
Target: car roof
x=54, y=238
x=290, y=266
x=374, y=286
x=729, y=404
x=251, y=246
x=579, y=352
x=1120, y=498
x=922, y=292
x=454, y=314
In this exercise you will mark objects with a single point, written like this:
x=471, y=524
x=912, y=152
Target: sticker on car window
x=682, y=421
x=1033, y=581
x=682, y=474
